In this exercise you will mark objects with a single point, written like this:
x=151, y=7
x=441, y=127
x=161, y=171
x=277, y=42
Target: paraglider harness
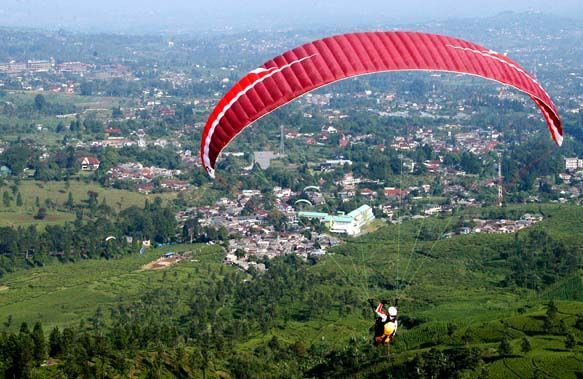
x=384, y=334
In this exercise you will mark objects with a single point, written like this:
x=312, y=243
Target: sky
x=196, y=15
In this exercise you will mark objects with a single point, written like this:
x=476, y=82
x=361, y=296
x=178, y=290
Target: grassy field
x=63, y=294
x=100, y=106
x=58, y=192
x=22, y=217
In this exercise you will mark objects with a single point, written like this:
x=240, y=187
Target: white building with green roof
x=350, y=224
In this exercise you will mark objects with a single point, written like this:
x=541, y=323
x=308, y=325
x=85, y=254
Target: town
x=327, y=177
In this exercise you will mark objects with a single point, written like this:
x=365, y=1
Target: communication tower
x=500, y=192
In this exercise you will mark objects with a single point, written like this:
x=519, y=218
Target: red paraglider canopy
x=315, y=64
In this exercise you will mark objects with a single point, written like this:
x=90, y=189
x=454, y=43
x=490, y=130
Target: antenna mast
x=500, y=192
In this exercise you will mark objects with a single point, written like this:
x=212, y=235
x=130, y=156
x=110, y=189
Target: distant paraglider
x=303, y=201
x=318, y=63
x=110, y=238
x=312, y=188
x=145, y=244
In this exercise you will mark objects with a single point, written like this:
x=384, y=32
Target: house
x=432, y=166
x=174, y=185
x=145, y=188
x=343, y=142
x=114, y=142
x=167, y=112
x=110, y=131
x=395, y=193
x=367, y=192
x=89, y=163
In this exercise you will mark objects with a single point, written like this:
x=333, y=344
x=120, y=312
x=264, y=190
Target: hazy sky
x=182, y=15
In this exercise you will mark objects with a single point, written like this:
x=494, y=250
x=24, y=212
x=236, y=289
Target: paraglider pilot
x=385, y=327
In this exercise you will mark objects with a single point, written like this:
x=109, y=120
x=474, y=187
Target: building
x=322, y=217
x=174, y=185
x=13, y=67
x=89, y=163
x=350, y=224
x=73, y=67
x=573, y=163
x=432, y=166
x=5, y=171
x=263, y=158
x=39, y=66
x=337, y=162
x=393, y=193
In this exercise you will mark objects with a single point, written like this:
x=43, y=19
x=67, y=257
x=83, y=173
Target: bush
x=41, y=214
x=525, y=345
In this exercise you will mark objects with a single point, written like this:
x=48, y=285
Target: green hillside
x=463, y=310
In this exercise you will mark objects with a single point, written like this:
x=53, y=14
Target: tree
x=563, y=327
x=41, y=214
x=92, y=199
x=428, y=234
x=17, y=156
x=277, y=219
x=86, y=88
x=239, y=253
x=55, y=342
x=468, y=336
x=223, y=233
x=417, y=88
x=19, y=201
x=60, y=127
x=24, y=328
x=552, y=310
x=451, y=328
x=39, y=352
x=470, y=163
x=579, y=321
x=116, y=112
x=18, y=350
x=8, y=321
x=6, y=199
x=505, y=348
x=570, y=341
x=39, y=102
x=525, y=345
x=70, y=203
x=67, y=340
